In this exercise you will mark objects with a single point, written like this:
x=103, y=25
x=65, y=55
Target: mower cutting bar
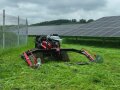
x=66, y=50
x=53, y=50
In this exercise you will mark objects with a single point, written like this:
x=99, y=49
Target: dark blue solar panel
x=103, y=27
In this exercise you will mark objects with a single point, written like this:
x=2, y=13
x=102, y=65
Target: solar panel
x=116, y=34
x=57, y=29
x=103, y=27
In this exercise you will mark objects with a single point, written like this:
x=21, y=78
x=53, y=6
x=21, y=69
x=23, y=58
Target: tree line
x=63, y=21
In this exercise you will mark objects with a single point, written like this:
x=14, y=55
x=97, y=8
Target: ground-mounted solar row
x=58, y=29
x=104, y=27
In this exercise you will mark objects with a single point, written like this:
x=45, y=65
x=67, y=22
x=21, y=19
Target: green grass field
x=16, y=75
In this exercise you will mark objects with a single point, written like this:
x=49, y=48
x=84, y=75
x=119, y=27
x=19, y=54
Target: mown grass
x=16, y=75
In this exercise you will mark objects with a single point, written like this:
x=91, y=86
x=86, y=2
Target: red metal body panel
x=46, y=45
x=27, y=59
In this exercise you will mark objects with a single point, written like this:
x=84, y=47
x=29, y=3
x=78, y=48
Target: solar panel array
x=103, y=27
x=57, y=29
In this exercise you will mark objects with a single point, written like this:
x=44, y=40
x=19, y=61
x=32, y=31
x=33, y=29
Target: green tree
x=83, y=21
x=90, y=20
x=74, y=20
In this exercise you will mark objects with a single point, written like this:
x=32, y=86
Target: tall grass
x=16, y=75
x=98, y=42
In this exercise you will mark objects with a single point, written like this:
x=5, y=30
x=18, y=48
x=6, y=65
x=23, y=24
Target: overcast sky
x=44, y=10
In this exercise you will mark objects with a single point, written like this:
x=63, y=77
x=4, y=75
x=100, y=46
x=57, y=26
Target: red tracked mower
x=49, y=46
